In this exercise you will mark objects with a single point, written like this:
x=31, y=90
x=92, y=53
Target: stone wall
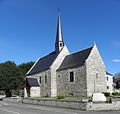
x=45, y=88
x=54, y=67
x=34, y=91
x=76, y=88
x=50, y=88
x=68, y=104
x=95, y=72
x=13, y=100
x=58, y=103
x=103, y=106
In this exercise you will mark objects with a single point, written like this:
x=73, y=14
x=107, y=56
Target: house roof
x=75, y=59
x=43, y=63
x=32, y=82
x=108, y=73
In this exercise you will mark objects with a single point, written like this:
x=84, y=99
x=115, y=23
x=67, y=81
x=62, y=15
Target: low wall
x=81, y=105
x=13, y=100
x=104, y=106
x=58, y=103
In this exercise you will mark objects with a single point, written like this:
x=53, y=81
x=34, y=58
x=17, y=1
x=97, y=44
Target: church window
x=45, y=78
x=71, y=76
x=60, y=44
x=107, y=78
x=40, y=79
x=107, y=87
x=58, y=76
x=96, y=75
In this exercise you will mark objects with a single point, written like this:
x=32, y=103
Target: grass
x=73, y=98
x=68, y=98
x=43, y=98
x=55, y=98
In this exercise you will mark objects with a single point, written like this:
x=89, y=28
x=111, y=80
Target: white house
x=109, y=80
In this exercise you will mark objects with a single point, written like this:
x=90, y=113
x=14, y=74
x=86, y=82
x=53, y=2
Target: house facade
x=74, y=74
x=110, y=84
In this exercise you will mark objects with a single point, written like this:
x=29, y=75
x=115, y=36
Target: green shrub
x=116, y=93
x=2, y=93
x=61, y=96
x=106, y=93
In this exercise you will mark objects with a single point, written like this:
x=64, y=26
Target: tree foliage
x=117, y=80
x=24, y=68
x=117, y=75
x=12, y=76
x=9, y=77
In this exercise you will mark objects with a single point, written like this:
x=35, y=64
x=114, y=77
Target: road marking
x=10, y=111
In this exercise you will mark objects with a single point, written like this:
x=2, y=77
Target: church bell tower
x=59, y=44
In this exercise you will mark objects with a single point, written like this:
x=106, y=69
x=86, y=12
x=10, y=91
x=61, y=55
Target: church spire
x=59, y=44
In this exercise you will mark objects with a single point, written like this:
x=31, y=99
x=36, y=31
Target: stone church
x=60, y=72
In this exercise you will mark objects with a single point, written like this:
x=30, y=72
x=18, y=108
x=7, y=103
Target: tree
x=9, y=77
x=117, y=75
x=117, y=80
x=24, y=68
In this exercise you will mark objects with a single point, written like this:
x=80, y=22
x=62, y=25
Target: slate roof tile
x=75, y=59
x=32, y=82
x=43, y=63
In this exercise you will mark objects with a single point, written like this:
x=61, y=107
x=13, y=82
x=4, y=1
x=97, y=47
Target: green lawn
x=55, y=98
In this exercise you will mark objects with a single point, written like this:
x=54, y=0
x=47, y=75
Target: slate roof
x=75, y=59
x=108, y=73
x=32, y=82
x=43, y=63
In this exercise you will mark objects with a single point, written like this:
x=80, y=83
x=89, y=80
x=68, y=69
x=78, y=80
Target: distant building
x=74, y=74
x=109, y=80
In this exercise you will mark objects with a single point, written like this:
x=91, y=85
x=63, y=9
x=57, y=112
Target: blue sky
x=28, y=28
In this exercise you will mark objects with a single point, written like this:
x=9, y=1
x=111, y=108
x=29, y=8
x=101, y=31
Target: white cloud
x=116, y=60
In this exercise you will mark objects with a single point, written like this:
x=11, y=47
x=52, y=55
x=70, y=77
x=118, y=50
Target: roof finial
x=58, y=10
x=94, y=43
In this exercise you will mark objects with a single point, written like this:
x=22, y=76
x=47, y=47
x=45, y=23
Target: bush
x=15, y=92
x=116, y=93
x=106, y=93
x=2, y=93
x=61, y=96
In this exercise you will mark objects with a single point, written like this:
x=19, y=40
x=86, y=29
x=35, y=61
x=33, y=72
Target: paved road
x=10, y=108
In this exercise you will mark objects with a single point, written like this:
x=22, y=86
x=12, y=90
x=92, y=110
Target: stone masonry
x=76, y=88
x=89, y=78
x=95, y=73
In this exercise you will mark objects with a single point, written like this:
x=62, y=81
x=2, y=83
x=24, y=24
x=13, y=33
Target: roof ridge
x=81, y=50
x=76, y=59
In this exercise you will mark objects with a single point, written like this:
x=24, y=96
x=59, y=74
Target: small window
x=71, y=76
x=58, y=76
x=60, y=44
x=107, y=79
x=40, y=79
x=96, y=75
x=107, y=87
x=45, y=78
